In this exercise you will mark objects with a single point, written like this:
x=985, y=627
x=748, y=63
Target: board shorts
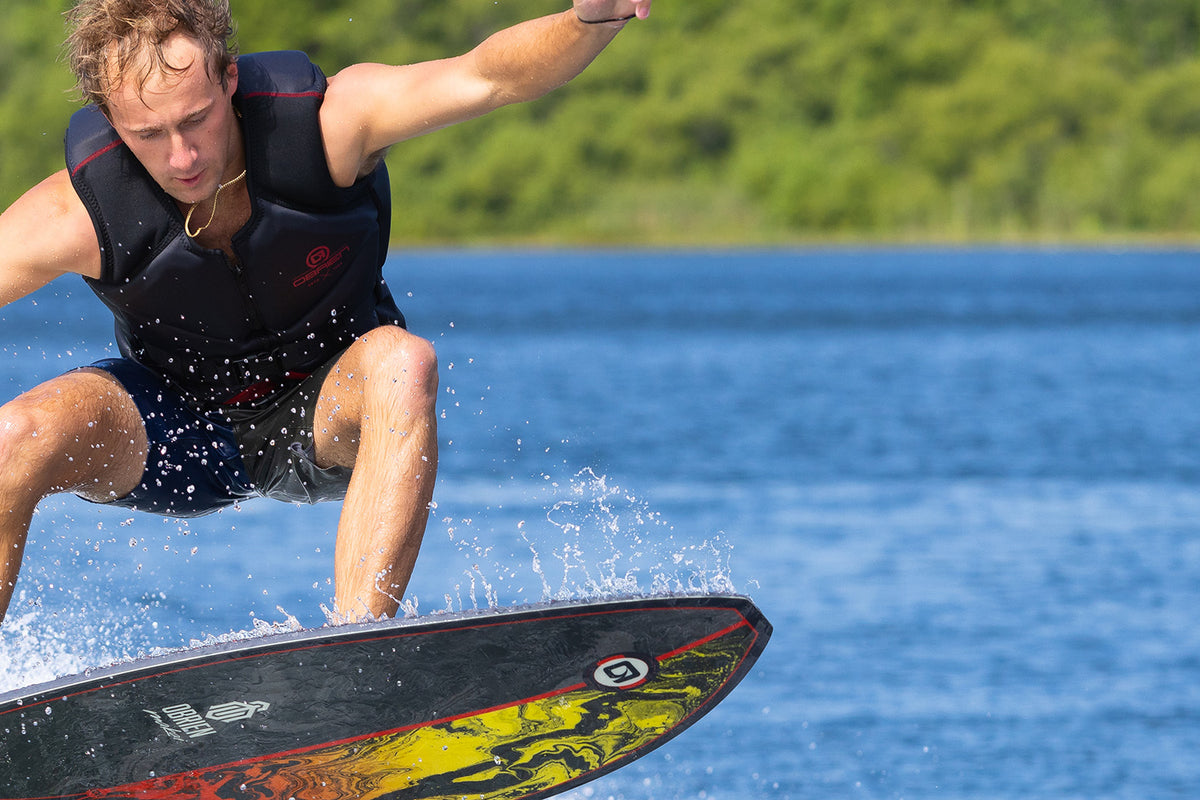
x=199, y=462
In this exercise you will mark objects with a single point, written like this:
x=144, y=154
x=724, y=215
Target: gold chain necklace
x=187, y=222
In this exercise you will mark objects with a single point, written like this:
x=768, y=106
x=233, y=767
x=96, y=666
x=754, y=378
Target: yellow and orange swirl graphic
x=532, y=748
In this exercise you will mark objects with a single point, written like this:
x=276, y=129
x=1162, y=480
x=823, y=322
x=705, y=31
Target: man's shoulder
x=61, y=203
x=48, y=232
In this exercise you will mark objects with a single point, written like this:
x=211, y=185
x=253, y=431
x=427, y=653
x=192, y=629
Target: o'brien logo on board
x=234, y=712
x=625, y=671
x=183, y=722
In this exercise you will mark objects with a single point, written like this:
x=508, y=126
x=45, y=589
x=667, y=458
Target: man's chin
x=190, y=193
x=188, y=199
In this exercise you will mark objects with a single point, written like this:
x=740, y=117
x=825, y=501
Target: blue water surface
x=962, y=484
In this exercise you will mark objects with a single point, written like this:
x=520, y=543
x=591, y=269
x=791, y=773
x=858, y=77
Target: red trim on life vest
x=251, y=95
x=96, y=155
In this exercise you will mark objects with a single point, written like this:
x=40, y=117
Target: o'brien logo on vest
x=320, y=264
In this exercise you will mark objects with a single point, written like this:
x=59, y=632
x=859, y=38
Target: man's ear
x=231, y=79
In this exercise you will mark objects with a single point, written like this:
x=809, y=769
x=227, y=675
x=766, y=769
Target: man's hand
x=611, y=10
x=370, y=107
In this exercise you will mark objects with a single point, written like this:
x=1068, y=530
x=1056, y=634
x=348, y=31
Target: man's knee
x=386, y=381
x=30, y=445
x=70, y=434
x=20, y=422
x=397, y=363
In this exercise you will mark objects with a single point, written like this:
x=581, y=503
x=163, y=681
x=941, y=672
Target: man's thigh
x=79, y=432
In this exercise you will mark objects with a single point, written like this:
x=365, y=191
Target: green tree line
x=764, y=121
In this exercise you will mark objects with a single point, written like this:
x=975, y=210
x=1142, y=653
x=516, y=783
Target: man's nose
x=183, y=153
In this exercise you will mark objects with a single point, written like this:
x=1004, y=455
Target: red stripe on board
x=385, y=638
x=234, y=765
x=147, y=785
x=707, y=639
x=195, y=773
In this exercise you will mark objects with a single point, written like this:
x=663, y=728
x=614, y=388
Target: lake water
x=964, y=485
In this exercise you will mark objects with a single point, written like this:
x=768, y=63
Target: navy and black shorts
x=200, y=462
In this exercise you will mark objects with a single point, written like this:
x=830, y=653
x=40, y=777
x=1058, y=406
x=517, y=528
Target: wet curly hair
x=112, y=41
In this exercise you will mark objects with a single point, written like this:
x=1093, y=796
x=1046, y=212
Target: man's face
x=180, y=126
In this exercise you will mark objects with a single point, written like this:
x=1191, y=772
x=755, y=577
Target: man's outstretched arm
x=46, y=233
x=370, y=107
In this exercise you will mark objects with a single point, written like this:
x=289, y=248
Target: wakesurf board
x=522, y=703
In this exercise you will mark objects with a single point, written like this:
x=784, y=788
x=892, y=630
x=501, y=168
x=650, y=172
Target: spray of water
x=589, y=539
x=597, y=541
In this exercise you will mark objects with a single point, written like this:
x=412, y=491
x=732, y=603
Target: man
x=233, y=214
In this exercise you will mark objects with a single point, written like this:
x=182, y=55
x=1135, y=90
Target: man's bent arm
x=46, y=233
x=370, y=107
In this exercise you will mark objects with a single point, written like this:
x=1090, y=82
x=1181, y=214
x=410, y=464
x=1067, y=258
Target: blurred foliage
x=762, y=121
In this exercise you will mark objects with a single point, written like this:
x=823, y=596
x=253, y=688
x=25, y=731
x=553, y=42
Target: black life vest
x=311, y=256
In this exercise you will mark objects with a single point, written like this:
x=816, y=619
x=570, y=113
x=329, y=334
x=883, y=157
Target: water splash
x=24, y=657
x=39, y=644
x=260, y=628
x=596, y=541
x=573, y=539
